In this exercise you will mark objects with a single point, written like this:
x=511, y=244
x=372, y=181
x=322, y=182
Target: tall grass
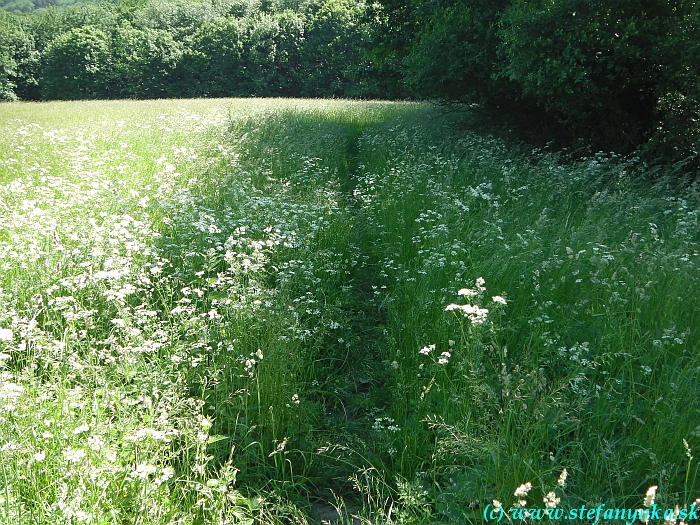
x=230, y=311
x=590, y=365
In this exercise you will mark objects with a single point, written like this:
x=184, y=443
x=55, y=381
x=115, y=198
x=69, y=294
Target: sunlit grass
x=214, y=311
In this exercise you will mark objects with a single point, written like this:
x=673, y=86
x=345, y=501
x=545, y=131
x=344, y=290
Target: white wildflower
x=5, y=334
x=523, y=490
x=562, y=478
x=144, y=433
x=73, y=455
x=426, y=349
x=651, y=496
x=95, y=443
x=498, y=299
x=166, y=474
x=143, y=470
x=81, y=429
x=551, y=500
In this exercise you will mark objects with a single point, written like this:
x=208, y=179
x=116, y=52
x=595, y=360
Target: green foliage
x=8, y=64
x=45, y=25
x=142, y=63
x=76, y=65
x=102, y=16
x=594, y=65
x=270, y=55
x=463, y=36
x=18, y=59
x=562, y=369
x=28, y=6
x=178, y=17
x=677, y=136
x=335, y=41
x=214, y=311
x=182, y=48
x=618, y=74
x=214, y=58
x=19, y=6
x=243, y=57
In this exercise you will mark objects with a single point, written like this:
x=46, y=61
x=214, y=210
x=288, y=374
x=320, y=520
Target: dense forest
x=620, y=75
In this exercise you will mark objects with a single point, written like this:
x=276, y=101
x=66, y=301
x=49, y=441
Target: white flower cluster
x=473, y=312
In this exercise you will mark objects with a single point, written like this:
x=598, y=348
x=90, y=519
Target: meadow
x=252, y=311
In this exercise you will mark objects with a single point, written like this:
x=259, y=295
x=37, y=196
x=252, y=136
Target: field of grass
x=250, y=311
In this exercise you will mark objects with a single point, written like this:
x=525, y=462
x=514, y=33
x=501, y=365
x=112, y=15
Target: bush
x=334, y=43
x=593, y=64
x=76, y=66
x=142, y=63
x=463, y=36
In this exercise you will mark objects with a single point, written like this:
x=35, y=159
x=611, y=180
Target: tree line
x=184, y=48
x=620, y=74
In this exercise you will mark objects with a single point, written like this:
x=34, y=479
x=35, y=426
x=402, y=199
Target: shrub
x=75, y=65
